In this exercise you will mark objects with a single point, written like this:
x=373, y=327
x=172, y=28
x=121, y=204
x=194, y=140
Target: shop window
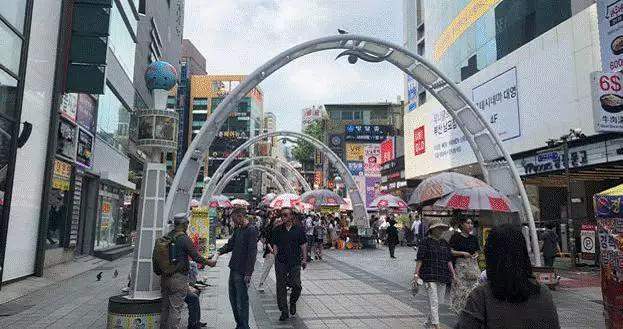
x=11, y=50
x=113, y=220
x=142, y=7
x=60, y=201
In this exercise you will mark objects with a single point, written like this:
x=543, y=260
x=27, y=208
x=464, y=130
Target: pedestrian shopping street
x=349, y=289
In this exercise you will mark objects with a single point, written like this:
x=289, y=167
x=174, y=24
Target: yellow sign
x=463, y=21
x=62, y=175
x=354, y=152
x=199, y=230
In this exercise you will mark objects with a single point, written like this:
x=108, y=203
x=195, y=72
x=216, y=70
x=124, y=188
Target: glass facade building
x=465, y=36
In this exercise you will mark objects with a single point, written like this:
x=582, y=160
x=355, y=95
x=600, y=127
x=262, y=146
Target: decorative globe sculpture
x=160, y=75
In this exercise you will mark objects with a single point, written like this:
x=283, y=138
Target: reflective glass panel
x=8, y=94
x=10, y=48
x=14, y=11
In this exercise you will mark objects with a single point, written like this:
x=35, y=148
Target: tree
x=304, y=151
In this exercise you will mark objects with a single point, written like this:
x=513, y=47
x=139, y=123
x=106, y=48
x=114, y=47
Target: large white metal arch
x=287, y=187
x=209, y=189
x=273, y=175
x=359, y=208
x=495, y=162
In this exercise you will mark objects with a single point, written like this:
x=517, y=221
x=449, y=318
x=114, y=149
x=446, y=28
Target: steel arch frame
x=207, y=192
x=495, y=162
x=359, y=208
x=279, y=178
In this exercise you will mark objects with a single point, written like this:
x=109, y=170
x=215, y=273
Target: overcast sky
x=237, y=36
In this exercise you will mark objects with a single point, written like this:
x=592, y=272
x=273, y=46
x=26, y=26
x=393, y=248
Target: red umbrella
x=441, y=185
x=286, y=200
x=477, y=198
x=319, y=198
x=219, y=201
x=389, y=201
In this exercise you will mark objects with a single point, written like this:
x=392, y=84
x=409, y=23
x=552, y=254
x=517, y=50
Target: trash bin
x=125, y=313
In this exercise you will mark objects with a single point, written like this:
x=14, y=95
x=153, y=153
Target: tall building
x=354, y=132
x=510, y=57
x=206, y=93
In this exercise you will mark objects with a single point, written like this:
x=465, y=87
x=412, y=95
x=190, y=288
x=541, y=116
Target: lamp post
x=563, y=141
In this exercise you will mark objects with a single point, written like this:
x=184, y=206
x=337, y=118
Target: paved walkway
x=349, y=289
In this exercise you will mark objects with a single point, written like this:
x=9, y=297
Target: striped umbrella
x=285, y=200
x=477, y=198
x=441, y=185
x=219, y=201
x=240, y=203
x=322, y=197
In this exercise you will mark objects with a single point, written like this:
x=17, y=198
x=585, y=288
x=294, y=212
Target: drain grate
x=9, y=309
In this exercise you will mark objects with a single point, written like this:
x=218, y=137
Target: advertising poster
x=354, y=152
x=86, y=113
x=69, y=103
x=587, y=237
x=84, y=155
x=607, y=92
x=165, y=128
x=411, y=93
x=62, y=175
x=199, y=230
x=372, y=160
x=146, y=127
x=373, y=189
x=497, y=100
x=610, y=22
x=355, y=168
x=66, y=140
x=387, y=150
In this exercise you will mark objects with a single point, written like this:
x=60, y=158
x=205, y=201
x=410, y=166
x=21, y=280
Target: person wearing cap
x=175, y=287
x=434, y=268
x=243, y=246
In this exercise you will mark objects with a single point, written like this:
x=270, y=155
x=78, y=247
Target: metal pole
x=572, y=251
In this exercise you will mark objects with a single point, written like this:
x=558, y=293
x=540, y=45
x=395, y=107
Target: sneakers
x=292, y=309
x=284, y=316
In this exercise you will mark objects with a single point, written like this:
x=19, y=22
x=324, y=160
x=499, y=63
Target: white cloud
x=237, y=36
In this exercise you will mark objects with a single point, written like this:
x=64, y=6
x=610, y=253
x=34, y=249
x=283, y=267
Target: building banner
x=411, y=93
x=607, y=92
x=199, y=230
x=354, y=152
x=372, y=160
x=373, y=189
x=360, y=181
x=497, y=100
x=387, y=150
x=610, y=22
x=355, y=168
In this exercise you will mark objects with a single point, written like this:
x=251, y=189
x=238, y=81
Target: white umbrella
x=219, y=201
x=240, y=202
x=389, y=201
x=477, y=198
x=441, y=185
x=322, y=197
x=286, y=200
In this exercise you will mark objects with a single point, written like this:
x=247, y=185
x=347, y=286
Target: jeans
x=287, y=275
x=194, y=310
x=269, y=261
x=174, y=290
x=436, y=295
x=310, y=245
x=239, y=299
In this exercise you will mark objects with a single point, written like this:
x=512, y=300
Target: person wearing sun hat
x=434, y=267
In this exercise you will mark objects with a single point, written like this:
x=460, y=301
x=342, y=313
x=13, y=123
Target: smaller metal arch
x=286, y=186
x=209, y=188
x=272, y=177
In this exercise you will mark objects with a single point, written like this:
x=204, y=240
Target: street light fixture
x=563, y=141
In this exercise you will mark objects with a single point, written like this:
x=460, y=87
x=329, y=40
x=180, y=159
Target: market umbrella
x=322, y=197
x=285, y=200
x=194, y=203
x=389, y=201
x=268, y=198
x=441, y=185
x=347, y=205
x=219, y=201
x=304, y=207
x=476, y=198
x=240, y=202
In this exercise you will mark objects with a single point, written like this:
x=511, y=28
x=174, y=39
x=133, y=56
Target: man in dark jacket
x=392, y=237
x=243, y=246
x=174, y=288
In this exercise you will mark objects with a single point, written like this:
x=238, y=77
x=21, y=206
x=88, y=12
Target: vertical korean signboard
x=610, y=21
x=372, y=171
x=607, y=101
x=387, y=150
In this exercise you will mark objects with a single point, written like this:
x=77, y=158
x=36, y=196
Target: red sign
x=419, y=141
x=387, y=150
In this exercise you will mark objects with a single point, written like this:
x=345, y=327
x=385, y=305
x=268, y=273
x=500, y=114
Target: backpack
x=163, y=256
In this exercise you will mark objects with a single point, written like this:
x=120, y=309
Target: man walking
x=550, y=247
x=243, y=246
x=392, y=237
x=309, y=235
x=174, y=287
x=290, y=247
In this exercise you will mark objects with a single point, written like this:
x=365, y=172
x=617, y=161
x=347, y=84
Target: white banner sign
x=588, y=241
x=607, y=93
x=497, y=101
x=610, y=21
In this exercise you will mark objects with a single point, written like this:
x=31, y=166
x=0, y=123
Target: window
x=335, y=115
x=421, y=99
x=8, y=90
x=171, y=102
x=10, y=48
x=14, y=11
x=357, y=115
x=142, y=7
x=347, y=115
x=214, y=102
x=120, y=41
x=421, y=48
x=378, y=115
x=113, y=120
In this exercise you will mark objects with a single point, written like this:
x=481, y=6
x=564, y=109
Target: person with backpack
x=243, y=246
x=171, y=262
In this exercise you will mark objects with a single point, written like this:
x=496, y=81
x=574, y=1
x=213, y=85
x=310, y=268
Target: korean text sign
x=607, y=92
x=610, y=22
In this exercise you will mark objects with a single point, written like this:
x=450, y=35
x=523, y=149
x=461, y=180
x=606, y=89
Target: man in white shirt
x=309, y=234
x=416, y=228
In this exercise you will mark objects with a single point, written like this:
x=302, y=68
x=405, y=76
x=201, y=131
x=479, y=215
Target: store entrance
x=88, y=215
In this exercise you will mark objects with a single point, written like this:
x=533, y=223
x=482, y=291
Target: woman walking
x=434, y=267
x=465, y=250
x=269, y=255
x=511, y=298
